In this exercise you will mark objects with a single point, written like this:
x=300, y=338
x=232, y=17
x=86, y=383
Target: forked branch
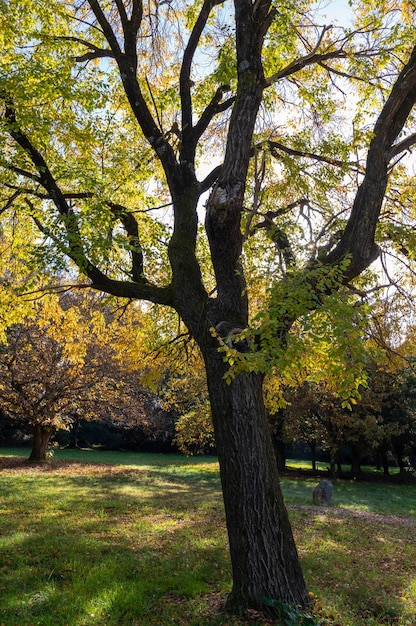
x=73, y=245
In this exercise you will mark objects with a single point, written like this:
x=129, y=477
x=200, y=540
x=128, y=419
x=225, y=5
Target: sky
x=338, y=11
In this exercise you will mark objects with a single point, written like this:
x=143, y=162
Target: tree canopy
x=60, y=365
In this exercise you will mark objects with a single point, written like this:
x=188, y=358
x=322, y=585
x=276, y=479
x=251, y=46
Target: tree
x=398, y=416
x=109, y=105
x=57, y=368
x=183, y=392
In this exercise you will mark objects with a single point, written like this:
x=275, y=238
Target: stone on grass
x=322, y=493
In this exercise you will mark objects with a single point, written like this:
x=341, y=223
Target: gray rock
x=322, y=493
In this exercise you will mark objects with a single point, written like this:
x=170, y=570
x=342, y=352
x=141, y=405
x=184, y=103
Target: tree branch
x=70, y=195
x=106, y=27
x=130, y=28
x=95, y=51
x=21, y=171
x=275, y=146
x=131, y=227
x=315, y=57
x=402, y=146
x=10, y=201
x=127, y=64
x=210, y=179
x=185, y=74
x=213, y=108
x=357, y=240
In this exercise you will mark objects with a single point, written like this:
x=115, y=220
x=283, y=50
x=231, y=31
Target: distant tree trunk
x=338, y=460
x=355, y=460
x=280, y=452
x=74, y=433
x=278, y=442
x=263, y=554
x=399, y=450
x=332, y=466
x=383, y=461
x=41, y=437
x=312, y=445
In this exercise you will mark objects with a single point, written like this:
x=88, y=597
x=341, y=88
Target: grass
x=141, y=541
x=323, y=466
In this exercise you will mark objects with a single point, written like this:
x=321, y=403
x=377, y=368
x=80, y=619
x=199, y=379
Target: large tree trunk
x=41, y=436
x=263, y=553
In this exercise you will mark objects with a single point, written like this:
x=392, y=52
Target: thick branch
x=210, y=179
x=311, y=58
x=44, y=176
x=224, y=207
x=119, y=288
x=94, y=53
x=357, y=240
x=185, y=75
x=131, y=227
x=130, y=28
x=106, y=27
x=402, y=146
x=213, y=108
x=127, y=64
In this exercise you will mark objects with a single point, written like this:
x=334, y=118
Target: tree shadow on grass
x=114, y=548
x=359, y=564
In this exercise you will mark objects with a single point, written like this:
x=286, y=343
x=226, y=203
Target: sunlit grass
x=143, y=542
x=303, y=464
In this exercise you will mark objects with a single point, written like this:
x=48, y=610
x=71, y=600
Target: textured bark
x=41, y=437
x=264, y=559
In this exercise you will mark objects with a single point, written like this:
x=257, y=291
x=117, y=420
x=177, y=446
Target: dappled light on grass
x=102, y=545
x=363, y=576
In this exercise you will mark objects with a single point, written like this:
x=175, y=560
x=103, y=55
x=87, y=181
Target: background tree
x=91, y=148
x=398, y=423
x=184, y=392
x=57, y=368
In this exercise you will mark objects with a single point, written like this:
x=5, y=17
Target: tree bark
x=264, y=558
x=41, y=437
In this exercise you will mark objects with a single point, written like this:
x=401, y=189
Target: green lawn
x=141, y=541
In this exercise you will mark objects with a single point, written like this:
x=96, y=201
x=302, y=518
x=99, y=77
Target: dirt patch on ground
x=24, y=466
